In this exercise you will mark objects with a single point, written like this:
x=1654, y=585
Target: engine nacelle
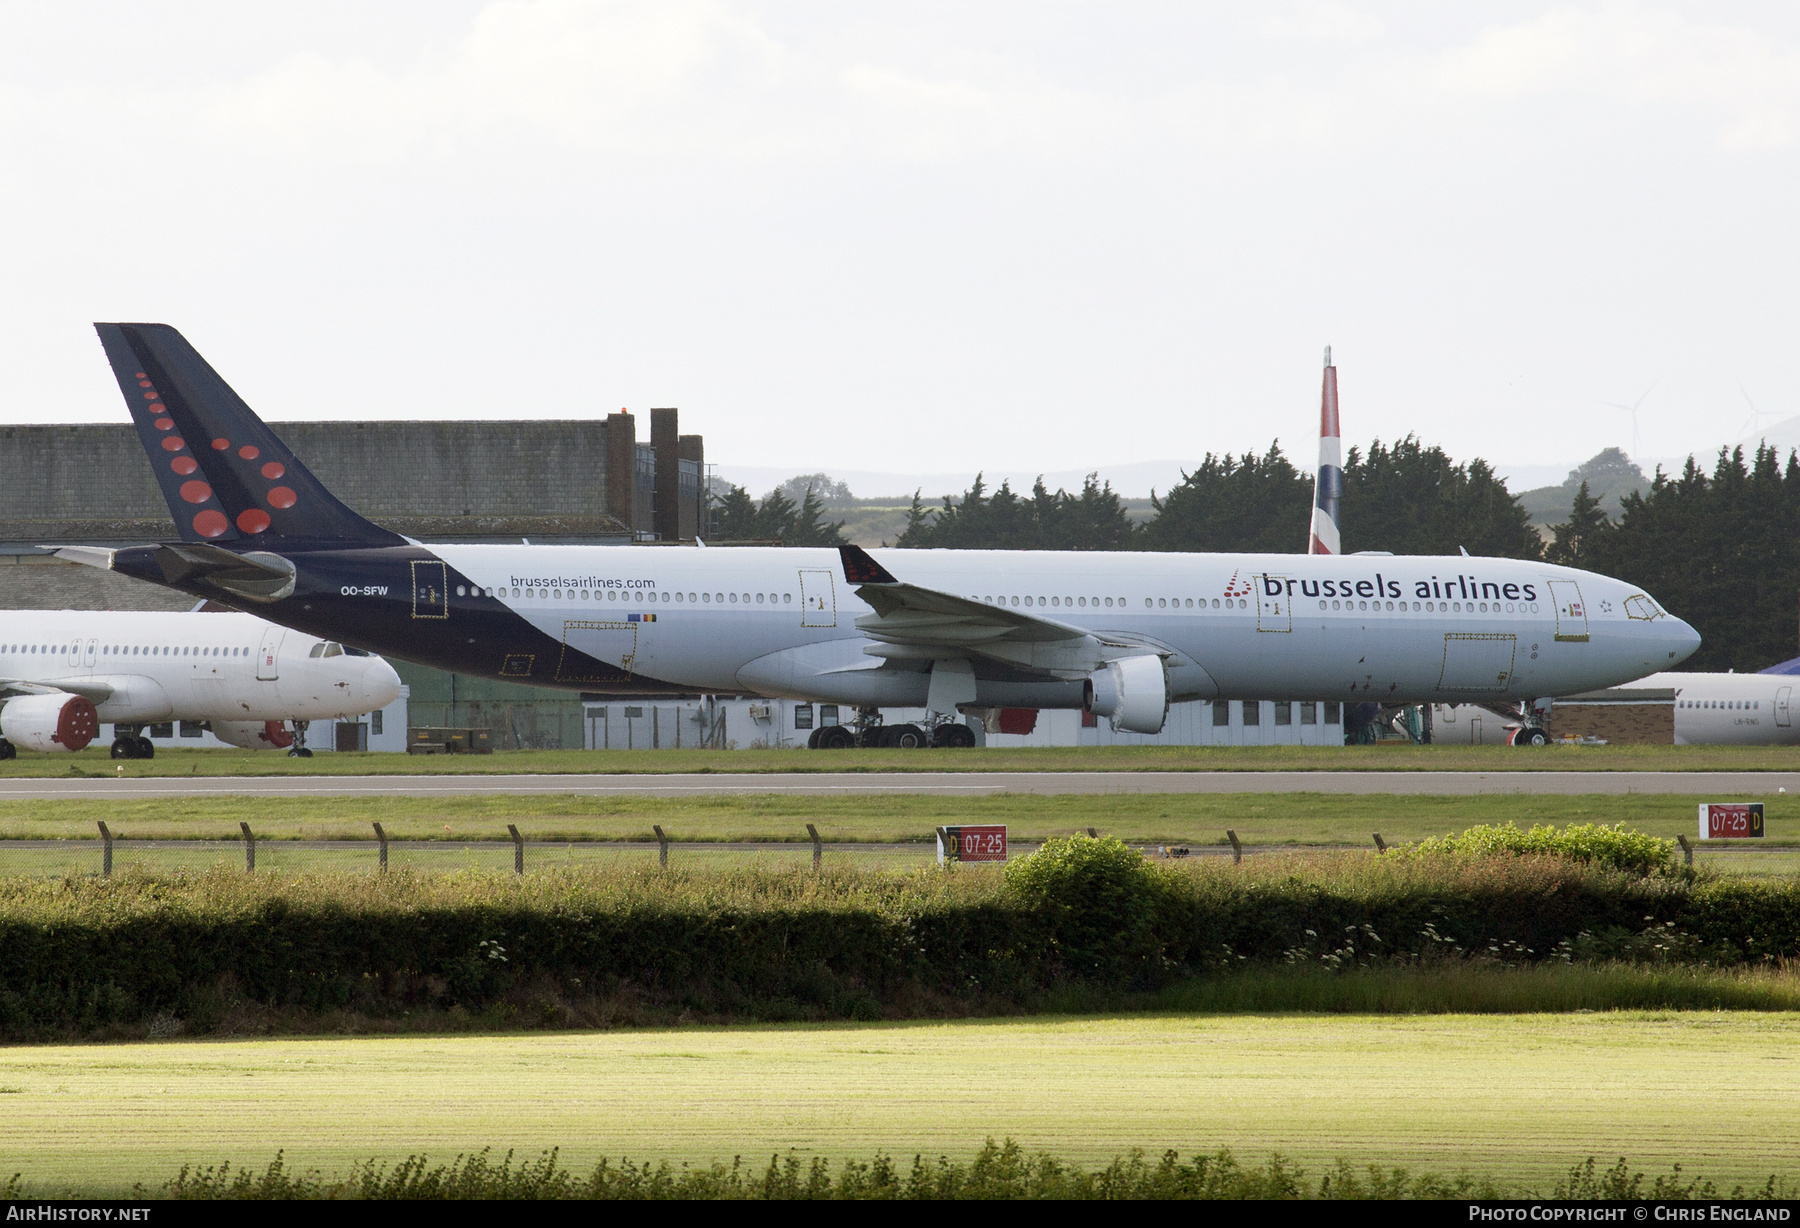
x=253, y=735
x=1133, y=691
x=50, y=722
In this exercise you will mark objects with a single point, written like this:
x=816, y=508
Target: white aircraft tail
x=1328, y=483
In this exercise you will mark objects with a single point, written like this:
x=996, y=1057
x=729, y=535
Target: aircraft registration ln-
x=1119, y=634
x=65, y=672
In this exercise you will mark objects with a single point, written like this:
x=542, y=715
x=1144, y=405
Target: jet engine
x=1133, y=691
x=50, y=722
x=253, y=735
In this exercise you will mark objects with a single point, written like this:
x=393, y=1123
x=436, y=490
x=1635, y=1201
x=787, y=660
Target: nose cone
x=381, y=685
x=1679, y=641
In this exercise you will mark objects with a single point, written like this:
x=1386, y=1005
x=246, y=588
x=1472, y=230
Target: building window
x=803, y=714
x=1284, y=712
x=1221, y=712
x=1332, y=709
x=164, y=730
x=1252, y=712
x=191, y=729
x=1309, y=714
x=828, y=714
x=375, y=723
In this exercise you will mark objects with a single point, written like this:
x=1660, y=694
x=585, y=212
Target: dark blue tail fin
x=226, y=476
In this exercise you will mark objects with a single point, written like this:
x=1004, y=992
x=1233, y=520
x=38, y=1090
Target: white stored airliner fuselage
x=134, y=669
x=1731, y=709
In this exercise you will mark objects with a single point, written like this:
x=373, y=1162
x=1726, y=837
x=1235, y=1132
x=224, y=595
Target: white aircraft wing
x=97, y=692
x=923, y=622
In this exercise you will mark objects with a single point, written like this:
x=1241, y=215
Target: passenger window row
x=1741, y=705
x=613, y=594
x=130, y=650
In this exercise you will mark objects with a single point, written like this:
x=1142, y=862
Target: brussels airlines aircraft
x=63, y=672
x=1119, y=634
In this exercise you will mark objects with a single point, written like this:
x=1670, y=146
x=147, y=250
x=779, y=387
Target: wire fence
x=108, y=854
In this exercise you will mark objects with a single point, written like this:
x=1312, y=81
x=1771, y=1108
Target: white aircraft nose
x=1680, y=641
x=381, y=685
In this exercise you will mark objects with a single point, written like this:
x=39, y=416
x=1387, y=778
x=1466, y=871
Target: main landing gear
x=8, y=750
x=869, y=732
x=129, y=744
x=298, y=749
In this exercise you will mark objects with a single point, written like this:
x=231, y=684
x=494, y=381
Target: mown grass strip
x=1515, y=1098
x=1147, y=818
x=1383, y=757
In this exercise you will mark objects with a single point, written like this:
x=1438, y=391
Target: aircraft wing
x=96, y=692
x=911, y=621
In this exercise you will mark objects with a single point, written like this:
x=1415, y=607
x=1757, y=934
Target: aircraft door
x=818, y=599
x=1783, y=711
x=90, y=652
x=1274, y=613
x=268, y=657
x=430, y=590
x=1571, y=612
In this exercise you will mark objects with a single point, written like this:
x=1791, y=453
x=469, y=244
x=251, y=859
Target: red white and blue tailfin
x=1328, y=485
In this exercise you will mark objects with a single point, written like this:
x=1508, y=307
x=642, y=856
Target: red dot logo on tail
x=219, y=445
x=282, y=497
x=165, y=424
x=211, y=523
x=196, y=492
x=174, y=443
x=254, y=520
x=184, y=465
x=249, y=451
x=273, y=470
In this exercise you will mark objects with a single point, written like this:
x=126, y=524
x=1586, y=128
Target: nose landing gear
x=298, y=750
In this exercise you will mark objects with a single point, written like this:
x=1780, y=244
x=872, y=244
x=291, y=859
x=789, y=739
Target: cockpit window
x=355, y=652
x=1640, y=606
x=327, y=648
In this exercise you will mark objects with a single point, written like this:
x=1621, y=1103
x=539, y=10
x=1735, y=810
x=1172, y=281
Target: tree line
x=1721, y=550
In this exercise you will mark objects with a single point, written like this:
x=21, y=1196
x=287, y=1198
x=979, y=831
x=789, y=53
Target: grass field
x=1518, y=1098
x=1151, y=818
x=1387, y=757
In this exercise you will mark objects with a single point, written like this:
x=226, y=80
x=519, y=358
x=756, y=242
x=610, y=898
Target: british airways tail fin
x=1328, y=484
x=226, y=477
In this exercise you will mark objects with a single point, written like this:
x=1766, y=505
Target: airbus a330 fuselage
x=1121, y=634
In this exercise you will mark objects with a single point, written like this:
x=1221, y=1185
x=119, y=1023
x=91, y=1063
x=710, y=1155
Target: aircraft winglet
x=859, y=568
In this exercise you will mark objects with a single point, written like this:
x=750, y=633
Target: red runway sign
x=1731, y=820
x=972, y=843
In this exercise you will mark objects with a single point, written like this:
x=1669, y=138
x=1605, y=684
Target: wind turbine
x=1632, y=409
x=1756, y=415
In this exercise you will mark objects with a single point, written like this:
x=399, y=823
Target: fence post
x=818, y=848
x=518, y=848
x=382, y=837
x=249, y=848
x=1380, y=845
x=106, y=853
x=662, y=846
x=1687, y=850
x=1237, y=850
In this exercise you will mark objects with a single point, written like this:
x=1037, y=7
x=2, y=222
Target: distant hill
x=1611, y=475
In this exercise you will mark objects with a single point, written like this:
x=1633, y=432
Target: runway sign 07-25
x=971, y=843
x=1731, y=820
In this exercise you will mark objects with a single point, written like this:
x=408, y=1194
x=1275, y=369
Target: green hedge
x=82, y=956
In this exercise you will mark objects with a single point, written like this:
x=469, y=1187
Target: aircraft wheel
x=299, y=752
x=123, y=748
x=836, y=737
x=8, y=750
x=146, y=749
x=812, y=739
x=954, y=737
x=906, y=737
x=1531, y=737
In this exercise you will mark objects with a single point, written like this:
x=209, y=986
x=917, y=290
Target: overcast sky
x=918, y=236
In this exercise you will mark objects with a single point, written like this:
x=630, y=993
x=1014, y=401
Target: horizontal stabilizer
x=225, y=475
